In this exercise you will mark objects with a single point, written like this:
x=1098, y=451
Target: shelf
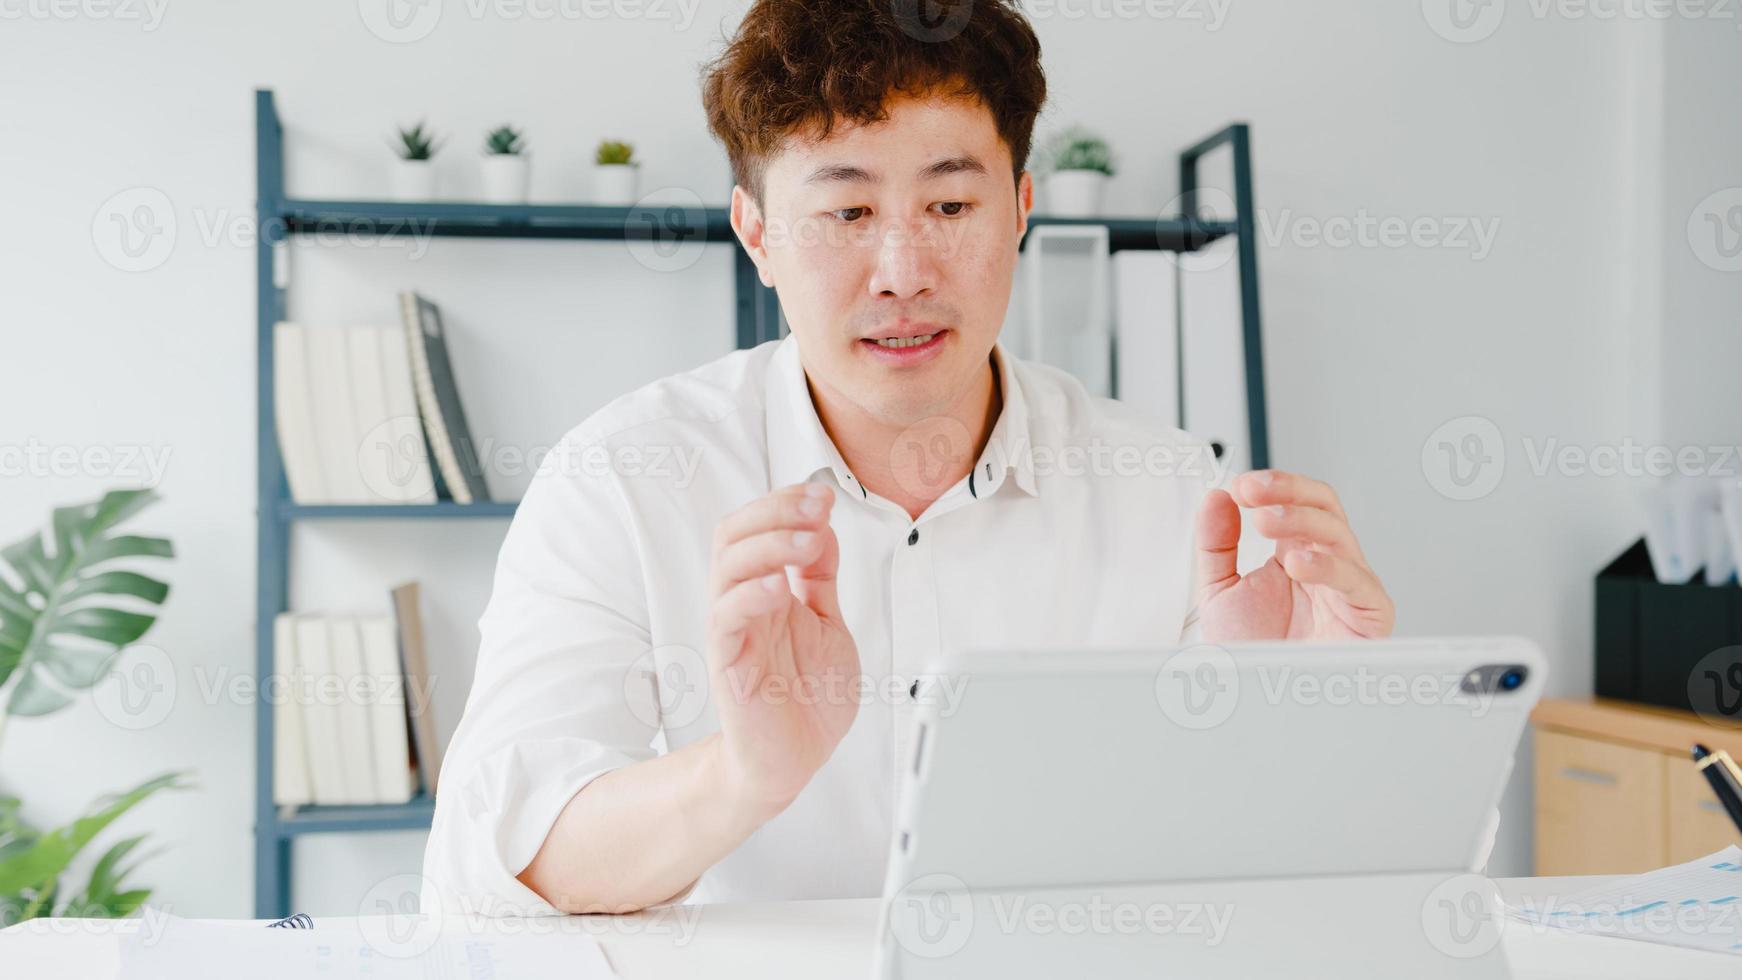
x=445, y=510
x=673, y=222
x=668, y=222
x=1167, y=234
x=412, y=815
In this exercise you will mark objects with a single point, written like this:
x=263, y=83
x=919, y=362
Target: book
x=438, y=401
x=1146, y=331
x=315, y=659
x=402, y=439
x=290, y=776
x=395, y=779
x=1213, y=352
x=331, y=391
x=374, y=449
x=415, y=667
x=357, y=752
x=293, y=410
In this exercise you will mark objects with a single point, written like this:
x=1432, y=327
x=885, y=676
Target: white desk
x=810, y=940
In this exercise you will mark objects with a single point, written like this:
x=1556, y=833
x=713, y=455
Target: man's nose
x=907, y=260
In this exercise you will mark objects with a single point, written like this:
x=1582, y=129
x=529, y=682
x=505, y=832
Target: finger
x=762, y=554
x=1218, y=541
x=1357, y=584
x=797, y=507
x=1261, y=488
x=1321, y=528
x=815, y=583
x=741, y=605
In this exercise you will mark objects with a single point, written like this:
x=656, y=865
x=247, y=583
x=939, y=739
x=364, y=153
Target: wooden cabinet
x=1617, y=791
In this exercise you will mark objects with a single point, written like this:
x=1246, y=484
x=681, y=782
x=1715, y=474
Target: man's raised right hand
x=780, y=659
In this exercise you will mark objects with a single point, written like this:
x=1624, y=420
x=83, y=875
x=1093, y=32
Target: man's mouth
x=907, y=347
x=896, y=343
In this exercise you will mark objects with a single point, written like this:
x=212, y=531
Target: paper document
x=1697, y=904
x=376, y=947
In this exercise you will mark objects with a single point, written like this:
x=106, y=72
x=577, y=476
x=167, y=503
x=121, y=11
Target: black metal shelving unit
x=758, y=320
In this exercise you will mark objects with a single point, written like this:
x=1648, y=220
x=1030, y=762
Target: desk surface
x=771, y=941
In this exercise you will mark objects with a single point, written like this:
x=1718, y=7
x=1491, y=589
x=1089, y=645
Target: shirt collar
x=799, y=448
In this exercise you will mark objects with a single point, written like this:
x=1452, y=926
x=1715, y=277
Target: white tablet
x=1251, y=772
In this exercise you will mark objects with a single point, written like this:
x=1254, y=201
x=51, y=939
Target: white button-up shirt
x=1074, y=529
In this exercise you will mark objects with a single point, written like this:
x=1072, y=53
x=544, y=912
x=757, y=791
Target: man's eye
x=952, y=209
x=848, y=214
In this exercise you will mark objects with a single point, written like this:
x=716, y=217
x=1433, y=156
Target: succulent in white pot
x=1079, y=164
x=507, y=167
x=614, y=173
x=413, y=177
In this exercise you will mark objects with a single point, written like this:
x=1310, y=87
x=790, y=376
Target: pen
x=1721, y=773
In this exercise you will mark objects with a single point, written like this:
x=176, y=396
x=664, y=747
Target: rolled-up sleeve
x=563, y=690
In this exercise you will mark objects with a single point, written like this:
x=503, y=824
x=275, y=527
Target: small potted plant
x=614, y=173
x=1080, y=165
x=414, y=176
x=507, y=167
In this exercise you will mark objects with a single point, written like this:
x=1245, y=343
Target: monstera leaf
x=31, y=867
x=60, y=628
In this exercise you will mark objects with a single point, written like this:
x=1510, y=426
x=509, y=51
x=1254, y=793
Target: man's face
x=892, y=247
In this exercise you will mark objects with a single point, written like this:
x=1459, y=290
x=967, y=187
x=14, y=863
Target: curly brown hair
x=803, y=65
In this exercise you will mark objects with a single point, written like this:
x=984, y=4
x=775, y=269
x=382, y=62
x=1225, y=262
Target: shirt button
x=913, y=536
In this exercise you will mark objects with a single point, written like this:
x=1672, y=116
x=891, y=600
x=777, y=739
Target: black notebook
x=459, y=472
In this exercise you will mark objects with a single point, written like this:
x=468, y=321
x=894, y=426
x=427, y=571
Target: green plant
x=32, y=862
x=63, y=622
x=1079, y=149
x=415, y=144
x=503, y=141
x=612, y=152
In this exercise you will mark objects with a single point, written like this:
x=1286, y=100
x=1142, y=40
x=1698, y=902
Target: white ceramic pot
x=1074, y=193
x=413, y=180
x=614, y=183
x=506, y=177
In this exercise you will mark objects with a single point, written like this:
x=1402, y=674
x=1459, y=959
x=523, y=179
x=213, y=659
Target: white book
x=395, y=779
x=356, y=748
x=290, y=776
x=1213, y=352
x=406, y=452
x=1146, y=331
x=1069, y=326
x=293, y=409
x=335, y=415
x=370, y=419
x=314, y=654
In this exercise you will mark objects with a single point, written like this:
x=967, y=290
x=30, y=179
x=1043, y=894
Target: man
x=884, y=484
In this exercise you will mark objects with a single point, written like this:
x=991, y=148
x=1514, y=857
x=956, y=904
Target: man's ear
x=752, y=231
x=1024, y=202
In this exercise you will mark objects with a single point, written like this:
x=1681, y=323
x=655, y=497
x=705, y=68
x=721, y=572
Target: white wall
x=1357, y=109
